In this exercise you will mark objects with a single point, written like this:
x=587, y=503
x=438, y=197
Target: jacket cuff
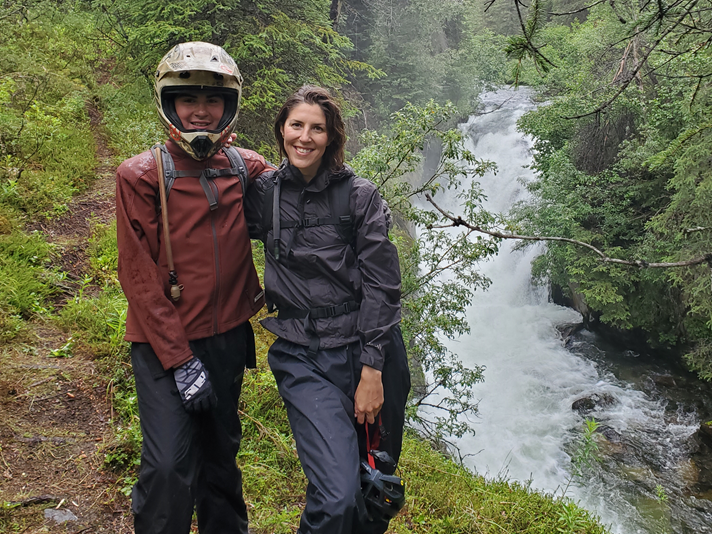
x=178, y=360
x=372, y=355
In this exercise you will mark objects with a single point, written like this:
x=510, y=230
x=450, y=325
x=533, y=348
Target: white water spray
x=531, y=380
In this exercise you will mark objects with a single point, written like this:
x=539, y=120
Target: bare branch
x=586, y=8
x=458, y=221
x=697, y=229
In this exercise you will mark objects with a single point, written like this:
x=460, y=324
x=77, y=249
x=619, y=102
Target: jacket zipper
x=216, y=294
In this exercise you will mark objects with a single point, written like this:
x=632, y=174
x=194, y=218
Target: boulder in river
x=667, y=381
x=567, y=330
x=592, y=402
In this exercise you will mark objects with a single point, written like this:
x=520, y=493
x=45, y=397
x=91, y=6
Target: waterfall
x=526, y=424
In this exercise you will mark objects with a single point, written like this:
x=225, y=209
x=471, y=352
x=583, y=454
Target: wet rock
x=704, y=434
x=701, y=502
x=689, y=472
x=592, y=402
x=59, y=516
x=611, y=435
x=567, y=330
x=667, y=381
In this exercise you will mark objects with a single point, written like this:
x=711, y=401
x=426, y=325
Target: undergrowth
x=26, y=281
x=442, y=496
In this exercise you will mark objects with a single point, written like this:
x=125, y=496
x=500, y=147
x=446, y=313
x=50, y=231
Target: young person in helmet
x=339, y=360
x=189, y=354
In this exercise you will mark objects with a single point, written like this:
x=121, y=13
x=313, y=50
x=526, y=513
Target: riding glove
x=194, y=386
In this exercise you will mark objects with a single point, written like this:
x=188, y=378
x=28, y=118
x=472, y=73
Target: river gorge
x=545, y=375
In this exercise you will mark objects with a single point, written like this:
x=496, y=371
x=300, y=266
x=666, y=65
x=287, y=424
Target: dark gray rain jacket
x=322, y=270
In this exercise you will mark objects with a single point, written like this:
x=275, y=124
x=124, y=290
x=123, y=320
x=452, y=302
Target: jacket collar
x=320, y=182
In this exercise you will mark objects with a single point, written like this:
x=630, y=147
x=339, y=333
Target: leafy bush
x=25, y=281
x=47, y=151
x=103, y=253
x=130, y=117
x=98, y=323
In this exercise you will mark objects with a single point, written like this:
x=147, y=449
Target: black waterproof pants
x=318, y=393
x=188, y=460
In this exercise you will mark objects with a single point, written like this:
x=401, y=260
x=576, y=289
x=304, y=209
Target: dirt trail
x=54, y=412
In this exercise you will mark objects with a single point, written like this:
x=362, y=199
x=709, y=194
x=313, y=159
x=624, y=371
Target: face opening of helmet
x=384, y=495
x=199, y=96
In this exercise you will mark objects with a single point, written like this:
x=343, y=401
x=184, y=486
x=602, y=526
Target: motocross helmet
x=384, y=494
x=198, y=66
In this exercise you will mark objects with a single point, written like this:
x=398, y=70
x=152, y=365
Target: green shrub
x=103, y=253
x=47, y=152
x=98, y=323
x=130, y=117
x=25, y=282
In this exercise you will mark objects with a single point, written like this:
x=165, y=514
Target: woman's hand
x=369, y=395
x=230, y=140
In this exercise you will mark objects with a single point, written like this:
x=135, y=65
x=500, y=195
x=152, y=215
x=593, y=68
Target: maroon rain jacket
x=211, y=253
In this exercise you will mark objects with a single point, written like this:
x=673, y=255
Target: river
x=649, y=479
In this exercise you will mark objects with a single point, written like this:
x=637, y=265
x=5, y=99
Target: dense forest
x=622, y=158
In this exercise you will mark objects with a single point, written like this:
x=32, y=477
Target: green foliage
x=585, y=453
x=65, y=351
x=103, y=253
x=660, y=493
x=443, y=497
x=429, y=50
x=47, y=150
x=632, y=179
x=25, y=281
x=522, y=46
x=438, y=267
x=97, y=322
x=129, y=116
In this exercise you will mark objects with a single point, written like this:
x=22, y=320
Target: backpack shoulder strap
x=340, y=206
x=271, y=215
x=169, y=169
x=238, y=162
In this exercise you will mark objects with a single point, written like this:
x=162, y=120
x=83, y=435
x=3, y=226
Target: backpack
x=237, y=168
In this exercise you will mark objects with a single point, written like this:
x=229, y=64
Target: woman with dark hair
x=339, y=360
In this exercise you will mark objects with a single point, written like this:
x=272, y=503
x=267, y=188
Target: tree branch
x=528, y=35
x=585, y=8
x=635, y=71
x=642, y=264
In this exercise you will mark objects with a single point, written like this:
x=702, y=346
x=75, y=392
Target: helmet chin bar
x=201, y=146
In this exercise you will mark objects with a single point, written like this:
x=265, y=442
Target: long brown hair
x=333, y=157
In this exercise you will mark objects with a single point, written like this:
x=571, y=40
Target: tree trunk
x=335, y=13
